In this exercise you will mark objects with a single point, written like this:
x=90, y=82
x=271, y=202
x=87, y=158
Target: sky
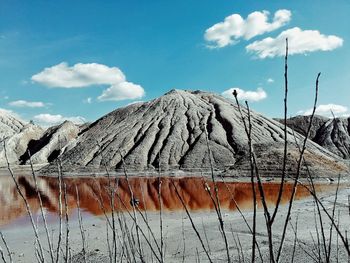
x=79, y=60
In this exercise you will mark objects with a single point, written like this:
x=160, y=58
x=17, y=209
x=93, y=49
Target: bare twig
x=29, y=212
x=132, y=202
x=160, y=215
x=328, y=253
x=300, y=161
x=284, y=164
x=41, y=208
x=254, y=168
x=217, y=202
x=7, y=249
x=81, y=227
x=191, y=220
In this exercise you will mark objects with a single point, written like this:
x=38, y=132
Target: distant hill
x=43, y=145
x=332, y=134
x=17, y=136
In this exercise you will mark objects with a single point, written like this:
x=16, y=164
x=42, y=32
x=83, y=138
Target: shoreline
x=20, y=240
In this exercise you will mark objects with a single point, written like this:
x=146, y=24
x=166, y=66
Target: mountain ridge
x=330, y=133
x=173, y=132
x=170, y=133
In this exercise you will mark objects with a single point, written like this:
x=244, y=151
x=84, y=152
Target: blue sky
x=114, y=50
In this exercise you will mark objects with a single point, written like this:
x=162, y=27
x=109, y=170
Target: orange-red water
x=94, y=194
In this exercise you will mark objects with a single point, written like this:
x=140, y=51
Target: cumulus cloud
x=50, y=119
x=299, y=41
x=270, y=80
x=27, y=104
x=122, y=91
x=327, y=109
x=78, y=76
x=248, y=95
x=84, y=75
x=235, y=27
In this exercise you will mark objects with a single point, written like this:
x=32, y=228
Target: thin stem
x=300, y=161
x=7, y=248
x=284, y=164
x=29, y=212
x=191, y=220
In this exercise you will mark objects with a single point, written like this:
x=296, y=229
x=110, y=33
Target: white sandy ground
x=21, y=238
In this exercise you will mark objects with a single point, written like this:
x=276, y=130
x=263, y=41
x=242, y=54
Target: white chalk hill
x=170, y=132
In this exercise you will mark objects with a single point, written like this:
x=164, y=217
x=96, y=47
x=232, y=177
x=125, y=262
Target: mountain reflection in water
x=94, y=194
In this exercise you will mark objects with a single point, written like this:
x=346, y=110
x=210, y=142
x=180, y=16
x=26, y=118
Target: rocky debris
x=171, y=132
x=332, y=134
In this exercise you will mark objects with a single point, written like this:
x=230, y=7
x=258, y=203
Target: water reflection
x=94, y=194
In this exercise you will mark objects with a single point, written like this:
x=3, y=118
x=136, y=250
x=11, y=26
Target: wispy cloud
x=88, y=100
x=300, y=42
x=234, y=27
x=270, y=80
x=327, y=109
x=85, y=75
x=47, y=119
x=248, y=95
x=27, y=104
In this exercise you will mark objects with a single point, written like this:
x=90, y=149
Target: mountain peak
x=172, y=131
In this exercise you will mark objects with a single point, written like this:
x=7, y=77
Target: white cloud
x=84, y=75
x=299, y=42
x=122, y=91
x=270, y=80
x=78, y=76
x=248, y=95
x=27, y=104
x=235, y=27
x=49, y=119
x=327, y=109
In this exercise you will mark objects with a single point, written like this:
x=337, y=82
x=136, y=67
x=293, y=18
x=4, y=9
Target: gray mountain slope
x=43, y=145
x=53, y=142
x=9, y=125
x=332, y=134
x=170, y=132
x=17, y=144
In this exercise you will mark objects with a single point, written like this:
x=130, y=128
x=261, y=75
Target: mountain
x=332, y=134
x=17, y=143
x=43, y=145
x=9, y=125
x=53, y=142
x=170, y=132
